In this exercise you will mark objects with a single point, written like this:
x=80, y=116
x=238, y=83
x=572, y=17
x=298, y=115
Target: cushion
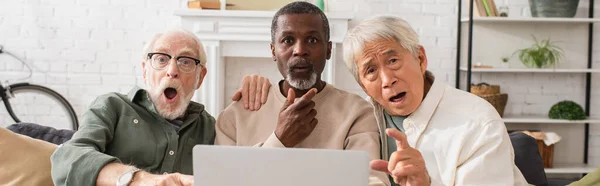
x=528, y=159
x=24, y=160
x=41, y=132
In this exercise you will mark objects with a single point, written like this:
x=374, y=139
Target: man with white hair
x=436, y=134
x=147, y=136
x=303, y=111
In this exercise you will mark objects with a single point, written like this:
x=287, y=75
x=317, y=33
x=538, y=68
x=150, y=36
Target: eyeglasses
x=160, y=61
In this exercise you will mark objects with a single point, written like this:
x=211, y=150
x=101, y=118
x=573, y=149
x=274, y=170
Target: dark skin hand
x=296, y=119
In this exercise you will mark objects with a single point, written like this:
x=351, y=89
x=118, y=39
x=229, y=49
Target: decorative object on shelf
x=553, y=8
x=485, y=8
x=568, y=110
x=491, y=93
x=194, y=4
x=320, y=4
x=503, y=10
x=545, y=142
x=485, y=89
x=542, y=54
x=200, y=4
x=480, y=65
x=505, y=62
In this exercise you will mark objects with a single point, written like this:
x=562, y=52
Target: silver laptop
x=253, y=166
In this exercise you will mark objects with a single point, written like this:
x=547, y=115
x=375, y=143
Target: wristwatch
x=126, y=178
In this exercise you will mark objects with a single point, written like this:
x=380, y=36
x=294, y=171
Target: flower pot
x=553, y=8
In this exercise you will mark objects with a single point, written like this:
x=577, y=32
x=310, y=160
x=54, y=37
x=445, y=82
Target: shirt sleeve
x=489, y=159
x=364, y=136
x=79, y=161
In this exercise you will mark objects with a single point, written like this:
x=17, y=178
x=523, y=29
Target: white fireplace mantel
x=234, y=33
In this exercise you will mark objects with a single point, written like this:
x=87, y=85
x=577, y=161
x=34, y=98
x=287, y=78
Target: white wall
x=79, y=48
x=84, y=48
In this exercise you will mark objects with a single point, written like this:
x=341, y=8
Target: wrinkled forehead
x=378, y=49
x=176, y=44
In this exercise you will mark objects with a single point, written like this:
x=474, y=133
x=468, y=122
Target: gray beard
x=302, y=84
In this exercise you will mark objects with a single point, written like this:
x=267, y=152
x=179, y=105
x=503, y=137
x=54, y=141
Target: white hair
x=155, y=91
x=375, y=29
x=150, y=45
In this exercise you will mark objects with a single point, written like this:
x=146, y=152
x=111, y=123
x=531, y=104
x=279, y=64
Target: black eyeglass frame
x=197, y=61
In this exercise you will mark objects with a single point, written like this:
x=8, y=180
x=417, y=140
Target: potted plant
x=568, y=110
x=542, y=54
x=505, y=62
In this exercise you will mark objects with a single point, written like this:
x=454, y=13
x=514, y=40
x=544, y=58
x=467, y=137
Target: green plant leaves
x=542, y=54
x=566, y=110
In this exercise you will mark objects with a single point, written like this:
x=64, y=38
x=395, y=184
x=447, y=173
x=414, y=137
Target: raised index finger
x=306, y=99
x=400, y=137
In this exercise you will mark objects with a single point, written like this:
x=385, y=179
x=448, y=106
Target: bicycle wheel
x=41, y=105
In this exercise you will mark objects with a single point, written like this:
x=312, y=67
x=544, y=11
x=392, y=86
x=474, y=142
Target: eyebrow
x=366, y=63
x=388, y=52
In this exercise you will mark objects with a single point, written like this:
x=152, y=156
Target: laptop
x=254, y=166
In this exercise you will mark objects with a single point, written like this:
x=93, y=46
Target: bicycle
x=17, y=90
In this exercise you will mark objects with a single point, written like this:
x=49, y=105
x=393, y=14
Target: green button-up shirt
x=127, y=129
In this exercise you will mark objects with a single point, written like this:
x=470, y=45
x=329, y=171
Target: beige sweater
x=24, y=160
x=346, y=121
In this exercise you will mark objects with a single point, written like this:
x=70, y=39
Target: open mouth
x=398, y=97
x=302, y=68
x=170, y=94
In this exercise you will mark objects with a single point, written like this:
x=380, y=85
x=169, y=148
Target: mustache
x=300, y=62
x=169, y=84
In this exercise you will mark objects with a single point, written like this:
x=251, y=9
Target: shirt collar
x=420, y=118
x=133, y=93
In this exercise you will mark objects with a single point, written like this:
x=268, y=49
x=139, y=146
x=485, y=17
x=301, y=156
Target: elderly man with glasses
x=147, y=136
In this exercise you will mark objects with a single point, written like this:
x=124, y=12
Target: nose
x=172, y=69
x=300, y=49
x=388, y=79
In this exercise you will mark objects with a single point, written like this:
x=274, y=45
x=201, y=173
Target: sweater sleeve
x=364, y=136
x=225, y=130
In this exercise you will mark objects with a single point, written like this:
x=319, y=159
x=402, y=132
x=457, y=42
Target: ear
x=422, y=59
x=329, y=46
x=273, y=52
x=144, y=70
x=202, y=75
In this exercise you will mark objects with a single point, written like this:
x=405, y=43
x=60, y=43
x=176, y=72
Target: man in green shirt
x=146, y=137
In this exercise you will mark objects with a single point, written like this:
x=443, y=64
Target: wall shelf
x=531, y=70
x=570, y=169
x=546, y=120
x=499, y=34
x=528, y=20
